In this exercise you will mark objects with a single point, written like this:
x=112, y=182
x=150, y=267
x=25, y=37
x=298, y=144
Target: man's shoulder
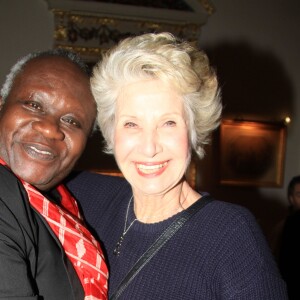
x=293, y=220
x=10, y=187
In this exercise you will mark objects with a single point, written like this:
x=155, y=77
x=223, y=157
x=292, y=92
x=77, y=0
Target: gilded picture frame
x=252, y=153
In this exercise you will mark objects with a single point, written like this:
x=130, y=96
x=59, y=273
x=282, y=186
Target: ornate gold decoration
x=90, y=35
x=208, y=6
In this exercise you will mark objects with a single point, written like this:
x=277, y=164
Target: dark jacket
x=33, y=264
x=289, y=256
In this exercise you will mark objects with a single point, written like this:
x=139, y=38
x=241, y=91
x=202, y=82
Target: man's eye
x=72, y=122
x=33, y=105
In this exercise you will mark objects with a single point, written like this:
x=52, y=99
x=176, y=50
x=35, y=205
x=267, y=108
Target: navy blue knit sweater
x=220, y=253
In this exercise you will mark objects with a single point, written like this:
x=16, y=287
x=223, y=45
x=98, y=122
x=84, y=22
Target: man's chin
x=40, y=180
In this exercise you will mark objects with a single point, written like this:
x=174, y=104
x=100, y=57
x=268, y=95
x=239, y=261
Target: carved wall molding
x=90, y=28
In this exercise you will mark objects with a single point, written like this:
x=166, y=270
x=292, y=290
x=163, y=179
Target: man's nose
x=49, y=128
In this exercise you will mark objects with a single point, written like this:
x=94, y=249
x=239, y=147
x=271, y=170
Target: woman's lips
x=151, y=168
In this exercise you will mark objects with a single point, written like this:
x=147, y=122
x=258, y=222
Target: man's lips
x=39, y=151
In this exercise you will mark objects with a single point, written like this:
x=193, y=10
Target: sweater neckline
x=149, y=227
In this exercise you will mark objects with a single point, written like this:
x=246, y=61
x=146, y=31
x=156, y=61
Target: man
x=294, y=193
x=289, y=253
x=47, y=112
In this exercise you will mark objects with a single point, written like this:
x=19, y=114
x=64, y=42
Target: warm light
x=287, y=120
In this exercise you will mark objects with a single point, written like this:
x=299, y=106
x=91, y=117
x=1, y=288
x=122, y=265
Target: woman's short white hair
x=160, y=56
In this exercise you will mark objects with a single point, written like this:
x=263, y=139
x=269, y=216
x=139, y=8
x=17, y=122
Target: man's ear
x=1, y=103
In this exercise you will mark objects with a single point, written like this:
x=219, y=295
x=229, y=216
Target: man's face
x=45, y=121
x=295, y=197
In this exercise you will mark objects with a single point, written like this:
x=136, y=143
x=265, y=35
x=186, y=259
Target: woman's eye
x=129, y=125
x=170, y=123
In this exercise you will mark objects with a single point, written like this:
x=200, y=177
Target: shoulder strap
x=159, y=243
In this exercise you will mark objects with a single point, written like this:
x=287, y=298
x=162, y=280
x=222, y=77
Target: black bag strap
x=159, y=243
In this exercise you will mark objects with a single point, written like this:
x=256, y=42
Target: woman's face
x=151, y=136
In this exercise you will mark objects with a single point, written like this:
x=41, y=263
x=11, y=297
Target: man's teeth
x=40, y=151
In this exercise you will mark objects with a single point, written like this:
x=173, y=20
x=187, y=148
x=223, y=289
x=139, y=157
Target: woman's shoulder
x=233, y=225
x=97, y=192
x=90, y=183
x=86, y=175
x=222, y=214
x=228, y=208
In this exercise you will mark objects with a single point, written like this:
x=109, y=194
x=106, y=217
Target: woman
x=158, y=100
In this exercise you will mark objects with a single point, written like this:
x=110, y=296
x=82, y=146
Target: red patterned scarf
x=80, y=246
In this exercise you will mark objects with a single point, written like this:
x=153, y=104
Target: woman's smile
x=151, y=168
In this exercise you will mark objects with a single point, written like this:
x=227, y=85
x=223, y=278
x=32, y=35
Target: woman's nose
x=150, y=143
x=49, y=128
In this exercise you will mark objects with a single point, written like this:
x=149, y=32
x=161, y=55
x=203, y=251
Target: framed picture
x=252, y=153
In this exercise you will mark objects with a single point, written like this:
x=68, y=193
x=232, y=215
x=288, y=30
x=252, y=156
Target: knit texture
x=220, y=253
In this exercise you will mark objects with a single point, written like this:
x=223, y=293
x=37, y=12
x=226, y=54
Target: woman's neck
x=156, y=208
